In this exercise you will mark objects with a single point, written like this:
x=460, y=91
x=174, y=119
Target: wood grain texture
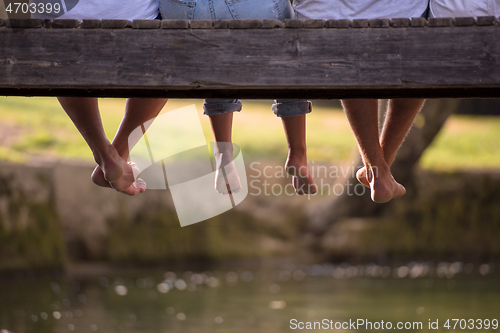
x=361, y=23
x=175, y=24
x=331, y=24
x=253, y=63
x=245, y=24
x=201, y=24
x=379, y=23
x=464, y=21
x=64, y=24
x=440, y=22
x=418, y=22
x=314, y=24
x=294, y=24
x=272, y=24
x=221, y=24
x=116, y=24
x=486, y=20
x=146, y=24
x=90, y=24
x=400, y=23
x=25, y=23
x=344, y=24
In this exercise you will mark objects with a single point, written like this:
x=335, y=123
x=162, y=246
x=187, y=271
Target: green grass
x=44, y=130
x=466, y=142
x=38, y=127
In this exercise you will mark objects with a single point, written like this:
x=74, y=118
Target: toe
x=361, y=177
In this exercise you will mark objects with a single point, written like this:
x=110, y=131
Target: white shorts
x=464, y=8
x=359, y=9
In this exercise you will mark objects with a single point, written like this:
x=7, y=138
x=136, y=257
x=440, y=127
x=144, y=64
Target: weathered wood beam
x=252, y=59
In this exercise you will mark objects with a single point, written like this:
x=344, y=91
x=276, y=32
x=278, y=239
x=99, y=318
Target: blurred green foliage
x=38, y=127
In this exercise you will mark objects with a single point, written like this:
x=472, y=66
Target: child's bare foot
x=384, y=187
x=302, y=180
x=227, y=180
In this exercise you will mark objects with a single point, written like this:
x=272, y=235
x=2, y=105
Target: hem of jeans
x=220, y=109
x=299, y=108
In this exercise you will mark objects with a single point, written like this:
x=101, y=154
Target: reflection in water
x=250, y=301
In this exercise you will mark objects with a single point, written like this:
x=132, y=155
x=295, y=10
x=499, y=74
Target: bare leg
x=296, y=163
x=398, y=121
x=362, y=115
x=229, y=181
x=84, y=112
x=137, y=112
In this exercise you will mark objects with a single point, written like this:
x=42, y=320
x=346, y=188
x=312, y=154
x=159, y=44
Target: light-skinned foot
x=296, y=165
x=227, y=180
x=383, y=186
x=361, y=177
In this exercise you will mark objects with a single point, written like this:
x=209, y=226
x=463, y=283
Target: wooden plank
x=418, y=22
x=441, y=22
x=360, y=23
x=175, y=24
x=116, y=24
x=464, y=21
x=245, y=24
x=344, y=24
x=314, y=24
x=64, y=24
x=221, y=24
x=272, y=24
x=486, y=20
x=24, y=23
x=201, y=24
x=400, y=23
x=253, y=63
x=294, y=24
x=146, y=24
x=379, y=23
x=279, y=93
x=90, y=24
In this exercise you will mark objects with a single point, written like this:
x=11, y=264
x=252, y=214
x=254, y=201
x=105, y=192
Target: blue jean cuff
x=220, y=106
x=291, y=108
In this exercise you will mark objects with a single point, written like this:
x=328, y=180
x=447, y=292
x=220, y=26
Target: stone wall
x=30, y=227
x=452, y=216
x=54, y=214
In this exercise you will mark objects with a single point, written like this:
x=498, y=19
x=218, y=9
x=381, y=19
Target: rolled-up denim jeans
x=229, y=10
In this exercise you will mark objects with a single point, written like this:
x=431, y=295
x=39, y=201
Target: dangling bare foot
x=227, y=180
x=98, y=177
x=117, y=173
x=361, y=177
x=302, y=180
x=139, y=186
x=111, y=164
x=384, y=187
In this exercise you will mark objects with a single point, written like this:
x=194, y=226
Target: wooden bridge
x=252, y=58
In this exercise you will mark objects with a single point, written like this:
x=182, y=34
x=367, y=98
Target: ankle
x=106, y=154
x=298, y=154
x=122, y=151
